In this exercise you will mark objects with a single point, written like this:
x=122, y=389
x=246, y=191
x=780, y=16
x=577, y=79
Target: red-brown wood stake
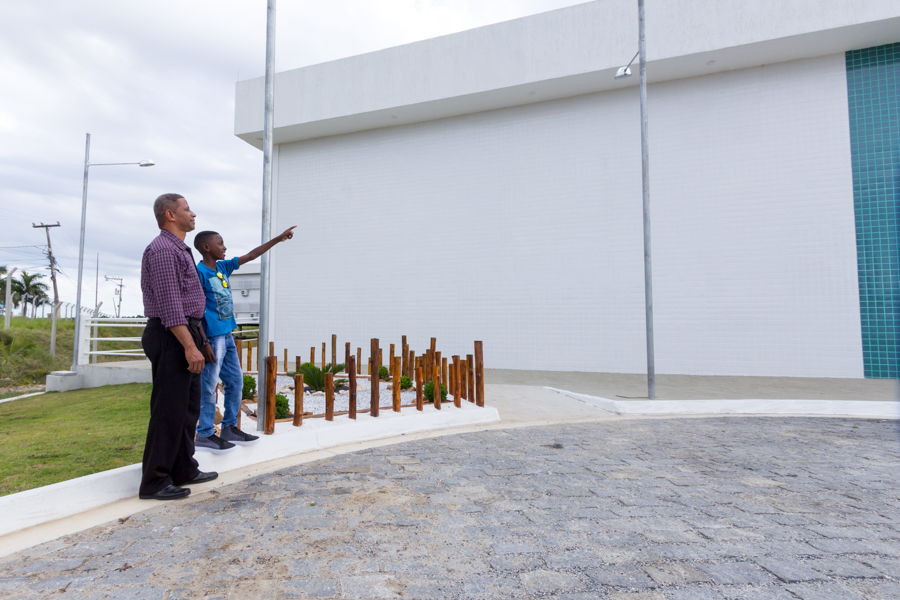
x=297, y=363
x=470, y=376
x=271, y=348
x=298, y=400
x=391, y=361
x=333, y=349
x=346, y=355
x=374, y=378
x=312, y=355
x=444, y=374
x=359, y=361
x=463, y=379
x=329, y=396
x=396, y=385
x=420, y=385
x=239, y=346
x=271, y=374
x=411, y=363
x=351, y=370
x=249, y=352
x=433, y=345
x=479, y=373
x=323, y=356
x=437, y=389
x=457, y=395
x=285, y=361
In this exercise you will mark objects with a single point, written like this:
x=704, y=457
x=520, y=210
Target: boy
x=218, y=323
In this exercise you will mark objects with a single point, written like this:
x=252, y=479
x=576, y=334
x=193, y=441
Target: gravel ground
x=655, y=509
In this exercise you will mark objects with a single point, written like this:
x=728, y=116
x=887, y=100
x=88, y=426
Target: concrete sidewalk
x=625, y=386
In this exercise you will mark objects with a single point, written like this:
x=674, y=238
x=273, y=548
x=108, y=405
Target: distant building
x=486, y=185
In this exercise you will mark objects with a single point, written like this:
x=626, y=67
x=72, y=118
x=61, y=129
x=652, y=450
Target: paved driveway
x=644, y=509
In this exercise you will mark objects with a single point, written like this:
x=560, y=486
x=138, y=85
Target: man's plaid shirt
x=170, y=282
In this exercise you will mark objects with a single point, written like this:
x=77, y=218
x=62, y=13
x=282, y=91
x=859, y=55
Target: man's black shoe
x=202, y=477
x=170, y=492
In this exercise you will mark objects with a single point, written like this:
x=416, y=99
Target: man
x=178, y=350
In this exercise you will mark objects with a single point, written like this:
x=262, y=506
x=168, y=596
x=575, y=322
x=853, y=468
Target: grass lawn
x=60, y=436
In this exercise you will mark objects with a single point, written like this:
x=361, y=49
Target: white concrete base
x=92, y=376
x=846, y=408
x=48, y=503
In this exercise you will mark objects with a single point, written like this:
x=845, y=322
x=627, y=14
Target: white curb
x=847, y=408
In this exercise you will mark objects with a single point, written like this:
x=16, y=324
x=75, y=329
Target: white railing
x=88, y=343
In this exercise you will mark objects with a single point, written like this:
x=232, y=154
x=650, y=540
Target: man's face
x=182, y=216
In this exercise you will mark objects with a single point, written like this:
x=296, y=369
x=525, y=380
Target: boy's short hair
x=202, y=238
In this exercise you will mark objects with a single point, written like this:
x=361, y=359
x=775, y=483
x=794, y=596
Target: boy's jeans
x=228, y=369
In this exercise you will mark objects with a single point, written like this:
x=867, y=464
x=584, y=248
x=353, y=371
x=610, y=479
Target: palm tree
x=42, y=299
x=28, y=288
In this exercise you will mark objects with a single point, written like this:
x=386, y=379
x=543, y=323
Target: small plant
x=282, y=408
x=314, y=377
x=428, y=392
x=249, y=387
x=406, y=383
x=14, y=354
x=383, y=373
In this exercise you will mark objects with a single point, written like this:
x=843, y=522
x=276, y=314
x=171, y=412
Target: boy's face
x=216, y=247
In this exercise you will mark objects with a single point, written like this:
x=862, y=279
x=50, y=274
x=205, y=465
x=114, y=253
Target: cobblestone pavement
x=646, y=509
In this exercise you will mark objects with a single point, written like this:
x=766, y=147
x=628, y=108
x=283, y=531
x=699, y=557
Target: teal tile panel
x=873, y=83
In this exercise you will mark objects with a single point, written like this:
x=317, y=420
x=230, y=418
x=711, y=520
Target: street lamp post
x=645, y=181
x=87, y=166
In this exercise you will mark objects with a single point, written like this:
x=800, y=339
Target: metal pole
x=87, y=164
x=6, y=306
x=264, y=269
x=645, y=179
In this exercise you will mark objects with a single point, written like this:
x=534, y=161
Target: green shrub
x=428, y=392
x=383, y=373
x=405, y=383
x=249, y=387
x=314, y=377
x=21, y=361
x=282, y=408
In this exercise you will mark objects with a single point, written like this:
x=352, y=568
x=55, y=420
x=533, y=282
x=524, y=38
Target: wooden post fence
x=457, y=395
x=298, y=400
x=333, y=349
x=240, y=351
x=470, y=376
x=347, y=356
x=437, y=389
x=297, y=363
x=329, y=396
x=351, y=370
x=419, y=386
x=463, y=379
x=249, y=352
x=374, y=379
x=285, y=361
x=396, y=386
x=312, y=355
x=271, y=373
x=359, y=361
x=323, y=356
x=479, y=373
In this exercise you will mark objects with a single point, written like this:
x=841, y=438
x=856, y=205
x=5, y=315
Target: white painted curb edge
x=849, y=408
x=59, y=500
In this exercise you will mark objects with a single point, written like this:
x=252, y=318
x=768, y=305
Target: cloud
x=156, y=80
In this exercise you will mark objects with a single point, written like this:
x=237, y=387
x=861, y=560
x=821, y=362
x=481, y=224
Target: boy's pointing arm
x=259, y=251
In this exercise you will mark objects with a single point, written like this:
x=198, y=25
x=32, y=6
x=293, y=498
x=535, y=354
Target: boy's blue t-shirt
x=219, y=317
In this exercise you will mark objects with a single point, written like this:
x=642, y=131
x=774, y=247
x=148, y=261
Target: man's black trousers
x=174, y=410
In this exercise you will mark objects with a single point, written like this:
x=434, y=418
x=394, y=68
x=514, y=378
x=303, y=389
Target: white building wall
x=522, y=227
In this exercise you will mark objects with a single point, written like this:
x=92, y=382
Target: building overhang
x=558, y=54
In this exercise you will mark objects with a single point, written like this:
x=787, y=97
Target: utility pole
x=118, y=292
x=6, y=307
x=55, y=290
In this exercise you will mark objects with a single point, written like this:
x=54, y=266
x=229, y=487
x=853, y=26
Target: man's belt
x=194, y=323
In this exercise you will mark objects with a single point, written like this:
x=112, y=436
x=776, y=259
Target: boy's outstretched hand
x=288, y=234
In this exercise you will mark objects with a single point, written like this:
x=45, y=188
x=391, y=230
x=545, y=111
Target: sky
x=155, y=80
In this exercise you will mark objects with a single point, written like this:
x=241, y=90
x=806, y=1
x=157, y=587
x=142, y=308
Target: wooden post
x=312, y=355
x=403, y=359
x=437, y=363
x=239, y=346
x=411, y=363
x=463, y=379
x=374, y=379
x=391, y=363
x=437, y=389
x=271, y=373
x=419, y=386
x=433, y=345
x=329, y=396
x=396, y=385
x=297, y=363
x=347, y=356
x=444, y=375
x=249, y=352
x=359, y=361
x=457, y=395
x=272, y=348
x=333, y=349
x=285, y=361
x=323, y=356
x=470, y=376
x=351, y=370
x=479, y=373
x=298, y=400
x=403, y=340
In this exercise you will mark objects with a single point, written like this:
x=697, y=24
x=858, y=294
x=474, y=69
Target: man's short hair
x=202, y=238
x=164, y=203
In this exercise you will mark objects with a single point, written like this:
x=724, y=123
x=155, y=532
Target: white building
x=486, y=185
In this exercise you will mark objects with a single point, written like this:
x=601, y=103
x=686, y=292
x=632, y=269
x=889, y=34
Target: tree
x=27, y=288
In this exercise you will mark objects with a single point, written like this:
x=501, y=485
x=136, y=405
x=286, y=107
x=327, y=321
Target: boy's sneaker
x=213, y=444
x=236, y=436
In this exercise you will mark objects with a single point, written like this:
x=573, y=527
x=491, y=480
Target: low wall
x=91, y=376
